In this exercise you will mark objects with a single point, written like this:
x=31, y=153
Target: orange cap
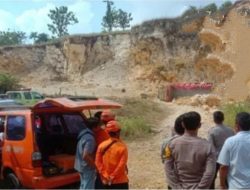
x=112, y=126
x=107, y=115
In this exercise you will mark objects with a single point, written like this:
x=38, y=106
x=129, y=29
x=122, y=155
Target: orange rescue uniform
x=113, y=163
x=100, y=136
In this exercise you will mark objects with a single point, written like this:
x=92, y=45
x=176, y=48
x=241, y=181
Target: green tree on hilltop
x=113, y=18
x=39, y=38
x=109, y=21
x=225, y=6
x=211, y=8
x=124, y=19
x=61, y=18
x=12, y=38
x=192, y=10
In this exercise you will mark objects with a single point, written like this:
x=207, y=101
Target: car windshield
x=36, y=95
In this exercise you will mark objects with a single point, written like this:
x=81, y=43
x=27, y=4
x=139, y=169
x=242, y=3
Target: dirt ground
x=145, y=166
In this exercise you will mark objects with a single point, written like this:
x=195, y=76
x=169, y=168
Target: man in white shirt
x=235, y=155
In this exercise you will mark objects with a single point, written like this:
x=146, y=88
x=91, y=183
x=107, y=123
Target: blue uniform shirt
x=235, y=154
x=86, y=143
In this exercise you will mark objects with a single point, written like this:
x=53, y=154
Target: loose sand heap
x=207, y=101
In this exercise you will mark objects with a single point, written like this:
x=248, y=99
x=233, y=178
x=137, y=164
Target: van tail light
x=36, y=159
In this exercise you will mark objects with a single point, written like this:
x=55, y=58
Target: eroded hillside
x=231, y=37
x=157, y=52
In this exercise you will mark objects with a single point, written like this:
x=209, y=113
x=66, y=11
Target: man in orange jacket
x=100, y=136
x=107, y=116
x=100, y=133
x=111, y=159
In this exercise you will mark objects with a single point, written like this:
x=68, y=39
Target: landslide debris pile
x=208, y=100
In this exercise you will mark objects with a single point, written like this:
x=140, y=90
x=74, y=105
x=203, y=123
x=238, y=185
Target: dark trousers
x=215, y=176
x=98, y=182
x=117, y=186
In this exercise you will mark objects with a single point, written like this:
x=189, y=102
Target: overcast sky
x=31, y=15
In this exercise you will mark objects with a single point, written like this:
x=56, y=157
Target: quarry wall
x=151, y=55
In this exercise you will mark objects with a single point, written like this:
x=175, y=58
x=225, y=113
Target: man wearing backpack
x=111, y=159
x=190, y=160
x=85, y=155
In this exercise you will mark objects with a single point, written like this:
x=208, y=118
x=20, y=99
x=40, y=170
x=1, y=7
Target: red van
x=39, y=143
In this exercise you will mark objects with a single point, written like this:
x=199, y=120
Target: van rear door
x=73, y=104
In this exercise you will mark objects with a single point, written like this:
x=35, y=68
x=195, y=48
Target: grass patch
x=138, y=116
x=231, y=110
x=134, y=127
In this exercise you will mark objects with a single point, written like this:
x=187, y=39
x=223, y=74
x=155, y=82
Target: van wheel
x=12, y=181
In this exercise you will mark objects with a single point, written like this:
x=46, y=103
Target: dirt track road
x=145, y=167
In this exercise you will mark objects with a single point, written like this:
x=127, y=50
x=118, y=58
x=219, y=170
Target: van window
x=14, y=95
x=27, y=95
x=75, y=123
x=15, y=129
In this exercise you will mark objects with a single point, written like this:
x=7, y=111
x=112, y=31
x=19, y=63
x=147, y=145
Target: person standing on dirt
x=100, y=136
x=98, y=115
x=179, y=130
x=190, y=160
x=217, y=136
x=111, y=159
x=234, y=156
x=107, y=116
x=85, y=155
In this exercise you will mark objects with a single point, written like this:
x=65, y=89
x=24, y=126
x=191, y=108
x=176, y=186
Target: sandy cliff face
x=164, y=51
x=230, y=48
x=127, y=63
x=17, y=60
x=140, y=61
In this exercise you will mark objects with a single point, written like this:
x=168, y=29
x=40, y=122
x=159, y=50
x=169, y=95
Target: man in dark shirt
x=217, y=136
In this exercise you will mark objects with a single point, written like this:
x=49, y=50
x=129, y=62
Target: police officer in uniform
x=191, y=160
